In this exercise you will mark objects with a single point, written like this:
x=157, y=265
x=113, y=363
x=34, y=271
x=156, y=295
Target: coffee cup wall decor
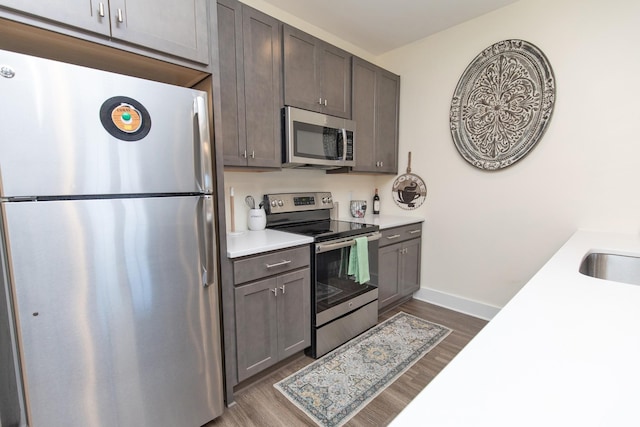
x=409, y=190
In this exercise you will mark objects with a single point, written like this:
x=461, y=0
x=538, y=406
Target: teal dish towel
x=359, y=260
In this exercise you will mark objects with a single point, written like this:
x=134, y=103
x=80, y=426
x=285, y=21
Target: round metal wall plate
x=502, y=104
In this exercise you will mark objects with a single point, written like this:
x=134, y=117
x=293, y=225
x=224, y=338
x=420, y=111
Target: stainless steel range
x=342, y=308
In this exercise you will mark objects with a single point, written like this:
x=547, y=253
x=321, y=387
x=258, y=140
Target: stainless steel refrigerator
x=109, y=311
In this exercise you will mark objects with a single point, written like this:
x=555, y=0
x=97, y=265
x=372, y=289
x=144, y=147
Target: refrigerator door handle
x=208, y=241
x=203, y=144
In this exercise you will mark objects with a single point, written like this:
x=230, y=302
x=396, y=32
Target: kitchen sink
x=615, y=267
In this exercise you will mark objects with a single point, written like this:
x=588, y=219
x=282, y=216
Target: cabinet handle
x=395, y=236
x=414, y=231
x=275, y=292
x=320, y=101
x=253, y=154
x=282, y=288
x=120, y=16
x=244, y=154
x=278, y=264
x=325, y=102
x=381, y=164
x=101, y=9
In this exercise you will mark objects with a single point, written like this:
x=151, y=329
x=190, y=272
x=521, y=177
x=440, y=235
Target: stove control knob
x=280, y=203
x=329, y=199
x=325, y=200
x=274, y=203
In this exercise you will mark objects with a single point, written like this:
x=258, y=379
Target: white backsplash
x=257, y=184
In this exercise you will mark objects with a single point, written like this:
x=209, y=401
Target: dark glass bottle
x=376, y=203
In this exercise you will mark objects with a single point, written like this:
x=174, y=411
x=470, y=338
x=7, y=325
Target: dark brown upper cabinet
x=317, y=75
x=375, y=107
x=249, y=44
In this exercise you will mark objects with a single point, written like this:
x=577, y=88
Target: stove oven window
x=333, y=285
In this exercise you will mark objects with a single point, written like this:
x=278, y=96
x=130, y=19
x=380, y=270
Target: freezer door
x=115, y=325
x=67, y=130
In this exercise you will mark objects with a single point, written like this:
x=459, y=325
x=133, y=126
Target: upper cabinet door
x=364, y=114
x=301, y=79
x=92, y=15
x=249, y=47
x=336, y=80
x=262, y=87
x=174, y=27
x=376, y=97
x=234, y=140
x=387, y=121
x=317, y=75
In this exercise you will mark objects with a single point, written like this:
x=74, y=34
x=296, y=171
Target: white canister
x=257, y=219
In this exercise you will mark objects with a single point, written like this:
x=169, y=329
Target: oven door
x=335, y=292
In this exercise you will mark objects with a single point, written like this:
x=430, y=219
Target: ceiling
x=378, y=26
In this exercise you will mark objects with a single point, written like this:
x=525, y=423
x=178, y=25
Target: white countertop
x=565, y=351
x=254, y=242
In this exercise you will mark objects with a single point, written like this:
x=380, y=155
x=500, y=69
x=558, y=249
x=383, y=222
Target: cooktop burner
x=310, y=214
x=328, y=229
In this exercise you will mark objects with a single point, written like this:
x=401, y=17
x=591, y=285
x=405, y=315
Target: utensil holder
x=257, y=219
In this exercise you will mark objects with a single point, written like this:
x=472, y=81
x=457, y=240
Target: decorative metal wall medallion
x=502, y=104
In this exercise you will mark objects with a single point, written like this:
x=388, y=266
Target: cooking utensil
x=409, y=190
x=250, y=202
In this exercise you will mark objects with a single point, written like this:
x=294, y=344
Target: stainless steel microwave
x=316, y=140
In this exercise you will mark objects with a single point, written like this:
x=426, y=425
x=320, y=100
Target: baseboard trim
x=457, y=303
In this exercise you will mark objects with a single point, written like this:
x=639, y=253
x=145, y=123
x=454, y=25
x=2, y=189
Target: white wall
x=487, y=233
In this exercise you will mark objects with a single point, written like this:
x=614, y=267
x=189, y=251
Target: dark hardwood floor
x=260, y=404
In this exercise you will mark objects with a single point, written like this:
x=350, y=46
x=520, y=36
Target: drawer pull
x=282, y=288
x=278, y=264
x=394, y=236
x=414, y=231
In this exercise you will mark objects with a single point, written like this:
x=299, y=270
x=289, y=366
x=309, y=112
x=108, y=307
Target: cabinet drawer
x=257, y=267
x=400, y=234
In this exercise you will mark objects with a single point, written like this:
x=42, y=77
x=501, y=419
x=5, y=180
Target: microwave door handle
x=344, y=144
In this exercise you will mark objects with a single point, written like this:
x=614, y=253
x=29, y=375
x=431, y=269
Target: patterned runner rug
x=334, y=388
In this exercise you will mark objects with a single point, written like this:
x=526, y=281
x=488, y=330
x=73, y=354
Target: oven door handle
x=325, y=247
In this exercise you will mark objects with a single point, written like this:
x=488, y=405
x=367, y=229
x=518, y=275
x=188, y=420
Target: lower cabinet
x=273, y=320
x=399, y=264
